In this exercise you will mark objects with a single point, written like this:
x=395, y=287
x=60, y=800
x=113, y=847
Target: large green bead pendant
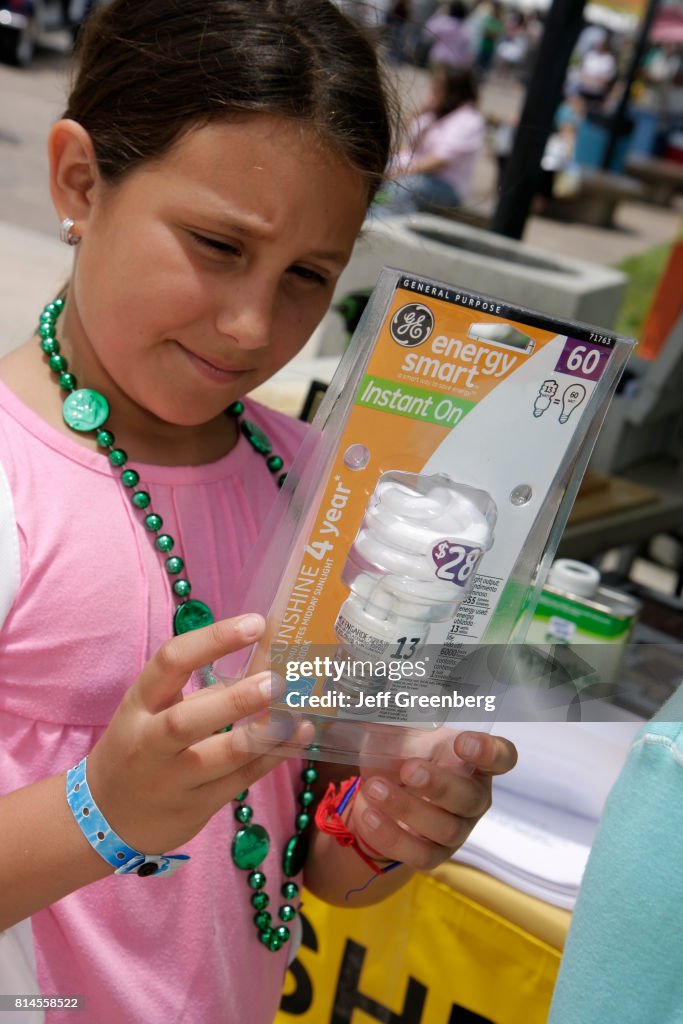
x=250, y=847
x=192, y=614
x=256, y=438
x=85, y=410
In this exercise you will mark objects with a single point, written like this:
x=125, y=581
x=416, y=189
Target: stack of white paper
x=538, y=834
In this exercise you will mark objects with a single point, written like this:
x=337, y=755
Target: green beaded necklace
x=87, y=411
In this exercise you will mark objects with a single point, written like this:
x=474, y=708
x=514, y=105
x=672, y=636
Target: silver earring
x=67, y=233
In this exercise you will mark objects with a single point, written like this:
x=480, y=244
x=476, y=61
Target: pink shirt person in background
x=435, y=168
x=452, y=43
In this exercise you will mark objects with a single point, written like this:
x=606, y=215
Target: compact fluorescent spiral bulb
x=412, y=563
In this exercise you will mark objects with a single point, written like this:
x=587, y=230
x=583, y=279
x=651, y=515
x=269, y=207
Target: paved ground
x=32, y=262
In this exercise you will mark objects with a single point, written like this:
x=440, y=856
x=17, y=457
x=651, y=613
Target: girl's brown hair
x=150, y=70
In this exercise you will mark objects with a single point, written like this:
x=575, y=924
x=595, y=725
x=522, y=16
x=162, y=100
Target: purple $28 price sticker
x=455, y=561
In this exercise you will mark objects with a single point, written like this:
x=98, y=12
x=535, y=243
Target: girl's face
x=201, y=275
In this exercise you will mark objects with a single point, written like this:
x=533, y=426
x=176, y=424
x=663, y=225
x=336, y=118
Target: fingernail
x=470, y=747
x=249, y=627
x=377, y=789
x=372, y=819
x=272, y=686
x=416, y=775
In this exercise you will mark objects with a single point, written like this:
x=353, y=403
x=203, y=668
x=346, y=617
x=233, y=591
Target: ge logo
x=412, y=324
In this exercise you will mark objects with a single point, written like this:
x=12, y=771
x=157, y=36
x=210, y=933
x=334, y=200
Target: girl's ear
x=73, y=170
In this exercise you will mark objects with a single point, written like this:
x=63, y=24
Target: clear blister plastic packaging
x=419, y=519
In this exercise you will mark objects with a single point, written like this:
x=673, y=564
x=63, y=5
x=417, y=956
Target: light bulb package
x=420, y=516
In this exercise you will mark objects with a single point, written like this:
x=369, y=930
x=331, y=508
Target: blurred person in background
x=512, y=50
x=597, y=72
x=661, y=74
x=434, y=171
x=558, y=155
x=589, y=37
x=491, y=28
x=451, y=44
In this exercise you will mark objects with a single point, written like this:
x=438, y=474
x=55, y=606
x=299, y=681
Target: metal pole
x=563, y=24
x=619, y=123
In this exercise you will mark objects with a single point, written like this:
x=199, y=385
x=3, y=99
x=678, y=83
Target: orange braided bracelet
x=328, y=818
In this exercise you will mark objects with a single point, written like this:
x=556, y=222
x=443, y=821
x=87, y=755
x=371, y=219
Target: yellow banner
x=428, y=955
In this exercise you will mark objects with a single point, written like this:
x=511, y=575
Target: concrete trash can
x=478, y=261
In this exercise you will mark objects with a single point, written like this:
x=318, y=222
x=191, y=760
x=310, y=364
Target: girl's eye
x=306, y=274
x=215, y=245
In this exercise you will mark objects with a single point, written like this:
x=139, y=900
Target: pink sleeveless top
x=94, y=603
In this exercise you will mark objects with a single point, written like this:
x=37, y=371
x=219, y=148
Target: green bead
x=105, y=439
x=287, y=913
x=84, y=409
x=294, y=856
x=164, y=542
x=306, y=798
x=182, y=588
x=153, y=522
x=236, y=409
x=309, y=776
x=46, y=317
x=118, y=457
x=57, y=305
x=57, y=364
x=265, y=936
x=256, y=438
x=290, y=890
x=241, y=797
x=303, y=820
x=67, y=381
x=281, y=479
x=46, y=330
x=274, y=463
x=244, y=814
x=50, y=346
x=250, y=847
x=174, y=565
x=282, y=933
x=191, y=615
x=262, y=920
x=130, y=478
x=275, y=943
x=260, y=900
x=141, y=499
x=256, y=880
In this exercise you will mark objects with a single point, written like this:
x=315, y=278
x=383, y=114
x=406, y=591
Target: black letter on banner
x=300, y=1000
x=459, y=1015
x=347, y=997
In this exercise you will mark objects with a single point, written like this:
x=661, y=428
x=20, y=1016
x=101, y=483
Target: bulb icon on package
x=546, y=393
x=572, y=397
x=411, y=565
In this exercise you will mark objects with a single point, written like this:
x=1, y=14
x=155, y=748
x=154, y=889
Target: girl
x=434, y=172
x=212, y=170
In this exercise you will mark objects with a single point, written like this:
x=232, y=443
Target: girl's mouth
x=214, y=371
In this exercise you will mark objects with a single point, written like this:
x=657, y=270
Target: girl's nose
x=247, y=316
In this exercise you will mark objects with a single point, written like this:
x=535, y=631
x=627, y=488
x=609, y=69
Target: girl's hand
x=424, y=813
x=164, y=766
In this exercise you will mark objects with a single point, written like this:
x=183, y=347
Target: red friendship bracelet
x=328, y=818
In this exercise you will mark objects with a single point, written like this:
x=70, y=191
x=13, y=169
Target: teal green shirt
x=623, y=963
